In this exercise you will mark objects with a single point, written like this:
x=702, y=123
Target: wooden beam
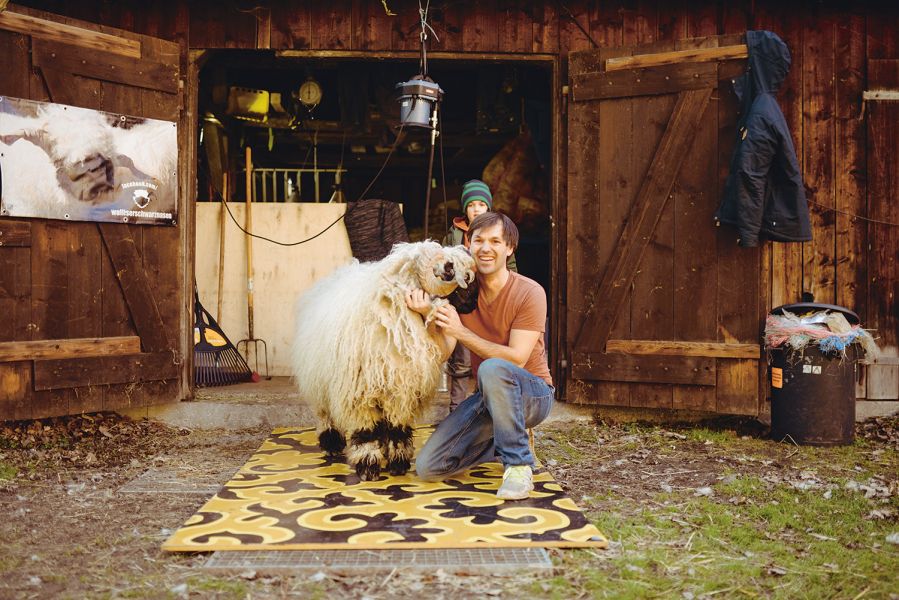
x=69, y=34
x=672, y=348
x=135, y=286
x=880, y=95
x=679, y=370
x=416, y=54
x=15, y=234
x=641, y=222
x=665, y=79
x=147, y=74
x=677, y=56
x=65, y=373
x=75, y=347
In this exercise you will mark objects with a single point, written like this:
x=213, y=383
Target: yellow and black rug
x=289, y=496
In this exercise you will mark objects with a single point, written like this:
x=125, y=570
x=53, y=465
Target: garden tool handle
x=248, y=226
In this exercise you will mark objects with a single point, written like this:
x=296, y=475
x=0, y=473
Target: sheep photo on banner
x=64, y=162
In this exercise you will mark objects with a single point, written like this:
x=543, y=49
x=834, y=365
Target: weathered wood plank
x=332, y=24
x=695, y=198
x=135, y=286
x=644, y=82
x=614, y=189
x=819, y=272
x=648, y=206
x=64, y=373
x=68, y=348
x=786, y=259
x=515, y=20
x=15, y=234
x=678, y=348
x=737, y=387
x=291, y=26
x=850, y=166
x=77, y=36
x=371, y=26
x=883, y=181
x=682, y=370
x=546, y=27
x=480, y=27
x=638, y=61
x=15, y=391
x=652, y=285
x=50, y=307
x=136, y=72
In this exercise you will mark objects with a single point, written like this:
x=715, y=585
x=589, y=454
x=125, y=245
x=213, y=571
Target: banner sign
x=64, y=162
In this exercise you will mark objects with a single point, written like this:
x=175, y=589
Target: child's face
x=475, y=208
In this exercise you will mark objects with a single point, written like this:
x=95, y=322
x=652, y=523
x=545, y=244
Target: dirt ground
x=70, y=531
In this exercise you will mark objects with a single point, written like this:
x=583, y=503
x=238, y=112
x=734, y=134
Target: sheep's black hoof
x=332, y=442
x=368, y=470
x=398, y=466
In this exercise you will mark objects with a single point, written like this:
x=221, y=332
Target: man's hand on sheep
x=424, y=304
x=448, y=320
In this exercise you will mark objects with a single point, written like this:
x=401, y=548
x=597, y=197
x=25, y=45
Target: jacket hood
x=461, y=223
x=769, y=63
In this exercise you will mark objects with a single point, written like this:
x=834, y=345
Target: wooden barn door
x=664, y=310
x=91, y=314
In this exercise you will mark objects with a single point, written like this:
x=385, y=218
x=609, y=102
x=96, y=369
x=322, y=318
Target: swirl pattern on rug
x=290, y=496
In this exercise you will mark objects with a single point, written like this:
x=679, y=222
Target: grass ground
x=746, y=518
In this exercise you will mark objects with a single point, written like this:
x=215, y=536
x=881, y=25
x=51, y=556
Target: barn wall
x=831, y=43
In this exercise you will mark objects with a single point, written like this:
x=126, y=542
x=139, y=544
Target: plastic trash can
x=812, y=390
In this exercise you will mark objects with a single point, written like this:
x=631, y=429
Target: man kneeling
x=508, y=358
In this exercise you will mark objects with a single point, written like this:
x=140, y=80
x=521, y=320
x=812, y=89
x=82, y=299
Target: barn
x=608, y=125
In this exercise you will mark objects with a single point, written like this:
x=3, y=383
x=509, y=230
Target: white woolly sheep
x=364, y=361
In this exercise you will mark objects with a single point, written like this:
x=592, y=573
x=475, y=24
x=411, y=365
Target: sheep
x=65, y=153
x=365, y=362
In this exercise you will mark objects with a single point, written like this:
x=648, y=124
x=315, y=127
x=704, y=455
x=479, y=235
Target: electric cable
x=349, y=209
x=443, y=180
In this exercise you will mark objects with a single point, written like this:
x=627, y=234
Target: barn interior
x=322, y=131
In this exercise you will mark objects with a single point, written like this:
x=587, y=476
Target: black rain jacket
x=764, y=196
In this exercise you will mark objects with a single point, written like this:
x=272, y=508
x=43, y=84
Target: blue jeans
x=491, y=422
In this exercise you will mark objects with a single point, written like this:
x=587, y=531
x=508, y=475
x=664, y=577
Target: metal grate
x=168, y=482
x=452, y=560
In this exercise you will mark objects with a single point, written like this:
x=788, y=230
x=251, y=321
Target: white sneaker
x=517, y=484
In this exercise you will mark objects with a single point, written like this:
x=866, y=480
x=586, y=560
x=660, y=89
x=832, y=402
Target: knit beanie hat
x=476, y=190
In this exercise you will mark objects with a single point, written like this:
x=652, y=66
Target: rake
x=216, y=360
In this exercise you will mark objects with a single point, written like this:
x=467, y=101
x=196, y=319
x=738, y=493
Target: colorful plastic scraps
x=828, y=329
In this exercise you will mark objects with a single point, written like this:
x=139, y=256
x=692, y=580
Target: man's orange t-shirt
x=521, y=304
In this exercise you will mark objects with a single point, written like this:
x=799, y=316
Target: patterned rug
x=289, y=496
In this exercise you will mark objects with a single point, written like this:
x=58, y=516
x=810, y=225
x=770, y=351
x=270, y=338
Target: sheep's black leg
x=332, y=442
x=400, y=448
x=365, y=451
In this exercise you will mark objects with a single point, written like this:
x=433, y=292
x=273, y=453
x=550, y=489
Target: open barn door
x=93, y=314
x=663, y=308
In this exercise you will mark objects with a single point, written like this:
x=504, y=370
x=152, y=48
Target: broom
x=216, y=360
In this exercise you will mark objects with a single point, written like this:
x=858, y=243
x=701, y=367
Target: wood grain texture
x=690, y=55
x=643, y=82
x=78, y=61
x=681, y=370
x=61, y=32
x=68, y=348
x=817, y=159
x=645, y=213
x=132, y=369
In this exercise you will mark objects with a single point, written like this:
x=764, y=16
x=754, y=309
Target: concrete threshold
x=274, y=402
